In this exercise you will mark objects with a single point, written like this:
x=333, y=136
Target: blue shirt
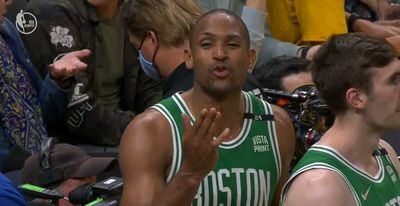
x=53, y=100
x=10, y=194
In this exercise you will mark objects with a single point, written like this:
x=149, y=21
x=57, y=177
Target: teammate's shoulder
x=321, y=184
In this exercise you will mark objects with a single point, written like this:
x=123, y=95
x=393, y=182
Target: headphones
x=48, y=175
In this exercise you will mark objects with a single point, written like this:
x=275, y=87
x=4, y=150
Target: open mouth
x=220, y=71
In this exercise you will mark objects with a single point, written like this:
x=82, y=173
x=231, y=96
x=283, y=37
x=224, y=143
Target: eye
x=395, y=79
x=206, y=44
x=233, y=45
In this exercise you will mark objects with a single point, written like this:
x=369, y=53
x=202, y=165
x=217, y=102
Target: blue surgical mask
x=149, y=68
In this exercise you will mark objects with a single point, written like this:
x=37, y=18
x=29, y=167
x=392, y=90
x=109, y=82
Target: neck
x=232, y=108
x=353, y=138
x=108, y=9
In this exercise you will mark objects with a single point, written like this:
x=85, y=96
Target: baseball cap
x=71, y=161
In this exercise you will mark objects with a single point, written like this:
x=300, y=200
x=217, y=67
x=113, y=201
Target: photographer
x=287, y=82
x=68, y=167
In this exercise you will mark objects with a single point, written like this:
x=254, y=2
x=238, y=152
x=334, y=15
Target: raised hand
x=70, y=64
x=200, y=143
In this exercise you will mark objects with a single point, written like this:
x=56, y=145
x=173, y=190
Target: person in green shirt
x=213, y=144
x=359, y=79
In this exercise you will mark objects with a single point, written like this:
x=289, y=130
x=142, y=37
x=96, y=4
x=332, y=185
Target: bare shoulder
x=321, y=185
x=285, y=132
x=145, y=133
x=144, y=157
x=281, y=116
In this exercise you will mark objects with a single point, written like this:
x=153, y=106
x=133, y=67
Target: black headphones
x=49, y=175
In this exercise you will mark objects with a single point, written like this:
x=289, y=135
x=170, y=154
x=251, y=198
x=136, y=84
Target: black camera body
x=306, y=110
x=103, y=193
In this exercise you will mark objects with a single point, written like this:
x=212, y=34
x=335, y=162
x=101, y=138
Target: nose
x=219, y=52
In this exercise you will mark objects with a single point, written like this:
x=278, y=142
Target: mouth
x=220, y=71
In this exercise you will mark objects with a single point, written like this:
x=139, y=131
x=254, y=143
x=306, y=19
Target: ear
x=252, y=59
x=356, y=99
x=153, y=36
x=188, y=59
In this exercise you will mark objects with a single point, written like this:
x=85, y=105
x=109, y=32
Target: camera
x=104, y=193
x=310, y=115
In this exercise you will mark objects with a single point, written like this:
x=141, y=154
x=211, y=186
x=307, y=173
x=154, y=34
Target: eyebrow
x=230, y=36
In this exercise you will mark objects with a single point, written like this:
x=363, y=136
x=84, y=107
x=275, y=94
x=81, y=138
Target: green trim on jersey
x=381, y=189
x=249, y=166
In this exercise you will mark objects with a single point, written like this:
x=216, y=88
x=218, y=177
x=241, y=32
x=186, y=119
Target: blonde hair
x=171, y=20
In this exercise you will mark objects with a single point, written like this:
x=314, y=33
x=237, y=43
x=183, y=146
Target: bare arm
x=318, y=187
x=286, y=140
x=145, y=158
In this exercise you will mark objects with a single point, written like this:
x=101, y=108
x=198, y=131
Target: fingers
x=221, y=137
x=206, y=128
x=80, y=54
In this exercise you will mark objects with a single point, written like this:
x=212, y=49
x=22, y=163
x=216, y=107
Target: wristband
x=304, y=51
x=350, y=21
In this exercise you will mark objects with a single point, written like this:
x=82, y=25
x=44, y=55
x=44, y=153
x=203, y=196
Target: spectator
x=270, y=46
x=114, y=88
x=162, y=39
x=358, y=77
x=301, y=22
x=284, y=73
x=292, y=75
x=75, y=166
x=25, y=99
x=207, y=138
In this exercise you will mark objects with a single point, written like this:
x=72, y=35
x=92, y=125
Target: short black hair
x=270, y=74
x=223, y=11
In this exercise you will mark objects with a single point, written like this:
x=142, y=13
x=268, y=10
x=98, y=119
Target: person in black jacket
x=114, y=89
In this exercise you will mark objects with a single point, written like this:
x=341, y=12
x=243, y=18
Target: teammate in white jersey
x=220, y=56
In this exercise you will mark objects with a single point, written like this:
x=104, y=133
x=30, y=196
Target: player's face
x=220, y=54
x=383, y=102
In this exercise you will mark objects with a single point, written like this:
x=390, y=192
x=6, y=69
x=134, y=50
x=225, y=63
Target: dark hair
x=346, y=61
x=223, y=11
x=269, y=75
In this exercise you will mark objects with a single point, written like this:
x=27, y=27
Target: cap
x=71, y=161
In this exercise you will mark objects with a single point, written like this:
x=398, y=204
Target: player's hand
x=200, y=143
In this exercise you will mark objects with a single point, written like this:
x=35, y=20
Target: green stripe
x=273, y=139
x=246, y=126
x=340, y=158
x=183, y=107
x=177, y=157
